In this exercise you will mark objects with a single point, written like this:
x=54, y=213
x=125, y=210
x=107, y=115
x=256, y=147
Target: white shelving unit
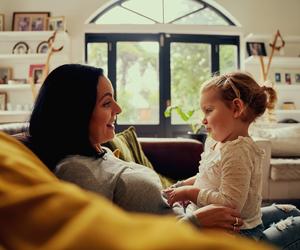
x=288, y=63
x=20, y=96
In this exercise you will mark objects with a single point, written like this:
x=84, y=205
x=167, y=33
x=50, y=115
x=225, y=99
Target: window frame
x=164, y=128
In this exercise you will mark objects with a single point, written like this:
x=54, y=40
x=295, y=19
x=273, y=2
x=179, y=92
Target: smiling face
x=101, y=127
x=219, y=119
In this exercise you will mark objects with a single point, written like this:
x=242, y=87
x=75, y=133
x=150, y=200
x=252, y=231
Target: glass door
x=151, y=71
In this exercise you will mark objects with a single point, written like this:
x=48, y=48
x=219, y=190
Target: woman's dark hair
x=59, y=123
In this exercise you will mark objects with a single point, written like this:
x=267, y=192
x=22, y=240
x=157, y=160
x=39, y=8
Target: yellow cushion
x=131, y=150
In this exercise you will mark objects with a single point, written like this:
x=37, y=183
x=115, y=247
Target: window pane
x=228, y=58
x=119, y=15
x=190, y=67
x=138, y=82
x=203, y=17
x=97, y=55
x=178, y=8
x=151, y=9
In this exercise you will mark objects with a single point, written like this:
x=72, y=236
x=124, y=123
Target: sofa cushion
x=131, y=150
x=285, y=169
x=285, y=141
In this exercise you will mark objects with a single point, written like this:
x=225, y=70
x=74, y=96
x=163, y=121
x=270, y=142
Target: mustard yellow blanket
x=37, y=211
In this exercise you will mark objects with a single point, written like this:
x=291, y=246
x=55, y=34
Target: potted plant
x=198, y=130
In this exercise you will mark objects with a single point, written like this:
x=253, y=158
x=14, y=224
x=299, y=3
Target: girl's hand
x=180, y=194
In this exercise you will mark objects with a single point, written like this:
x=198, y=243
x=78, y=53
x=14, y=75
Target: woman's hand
x=220, y=217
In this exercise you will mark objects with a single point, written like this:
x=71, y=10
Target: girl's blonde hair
x=241, y=85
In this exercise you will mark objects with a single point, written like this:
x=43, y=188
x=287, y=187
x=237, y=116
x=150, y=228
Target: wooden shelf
x=287, y=111
x=26, y=86
x=30, y=35
x=19, y=96
x=22, y=56
x=277, y=61
x=268, y=38
x=14, y=116
x=288, y=87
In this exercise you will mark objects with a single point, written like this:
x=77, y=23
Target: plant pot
x=200, y=137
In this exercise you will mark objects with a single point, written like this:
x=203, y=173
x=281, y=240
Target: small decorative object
x=51, y=50
x=5, y=75
x=2, y=22
x=36, y=73
x=288, y=78
x=277, y=77
x=57, y=23
x=42, y=47
x=288, y=106
x=256, y=49
x=297, y=78
x=20, y=48
x=30, y=21
x=3, y=100
x=274, y=47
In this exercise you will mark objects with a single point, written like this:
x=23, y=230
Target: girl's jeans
x=282, y=226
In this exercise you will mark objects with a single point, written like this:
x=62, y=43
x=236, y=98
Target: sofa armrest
x=265, y=145
x=176, y=158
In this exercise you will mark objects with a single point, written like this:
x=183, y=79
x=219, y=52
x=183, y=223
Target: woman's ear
x=238, y=107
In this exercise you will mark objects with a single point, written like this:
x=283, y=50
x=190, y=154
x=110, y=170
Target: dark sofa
x=176, y=158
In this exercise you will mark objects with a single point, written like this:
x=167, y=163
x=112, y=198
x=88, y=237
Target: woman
x=74, y=113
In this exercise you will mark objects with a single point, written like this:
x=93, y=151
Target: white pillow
x=285, y=141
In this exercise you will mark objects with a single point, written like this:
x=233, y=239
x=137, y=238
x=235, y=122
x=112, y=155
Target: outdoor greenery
x=190, y=68
x=196, y=127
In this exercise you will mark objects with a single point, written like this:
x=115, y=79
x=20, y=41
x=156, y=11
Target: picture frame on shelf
x=57, y=23
x=277, y=77
x=42, y=47
x=288, y=79
x=36, y=73
x=3, y=101
x=2, y=22
x=30, y=21
x=297, y=78
x=5, y=74
x=20, y=48
x=256, y=49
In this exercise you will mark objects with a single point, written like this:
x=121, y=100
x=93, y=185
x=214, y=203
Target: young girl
x=230, y=170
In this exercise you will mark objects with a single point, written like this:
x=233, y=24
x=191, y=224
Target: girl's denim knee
x=282, y=223
x=277, y=212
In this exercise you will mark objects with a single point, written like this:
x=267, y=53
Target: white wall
x=255, y=16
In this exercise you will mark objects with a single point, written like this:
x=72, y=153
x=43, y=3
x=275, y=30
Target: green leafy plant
x=196, y=127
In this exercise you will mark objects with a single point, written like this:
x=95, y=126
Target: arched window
x=163, y=12
x=160, y=52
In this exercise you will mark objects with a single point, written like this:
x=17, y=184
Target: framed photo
x=3, y=100
x=36, y=72
x=288, y=79
x=297, y=78
x=30, y=21
x=2, y=22
x=42, y=48
x=57, y=23
x=256, y=49
x=277, y=77
x=20, y=48
x=5, y=75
